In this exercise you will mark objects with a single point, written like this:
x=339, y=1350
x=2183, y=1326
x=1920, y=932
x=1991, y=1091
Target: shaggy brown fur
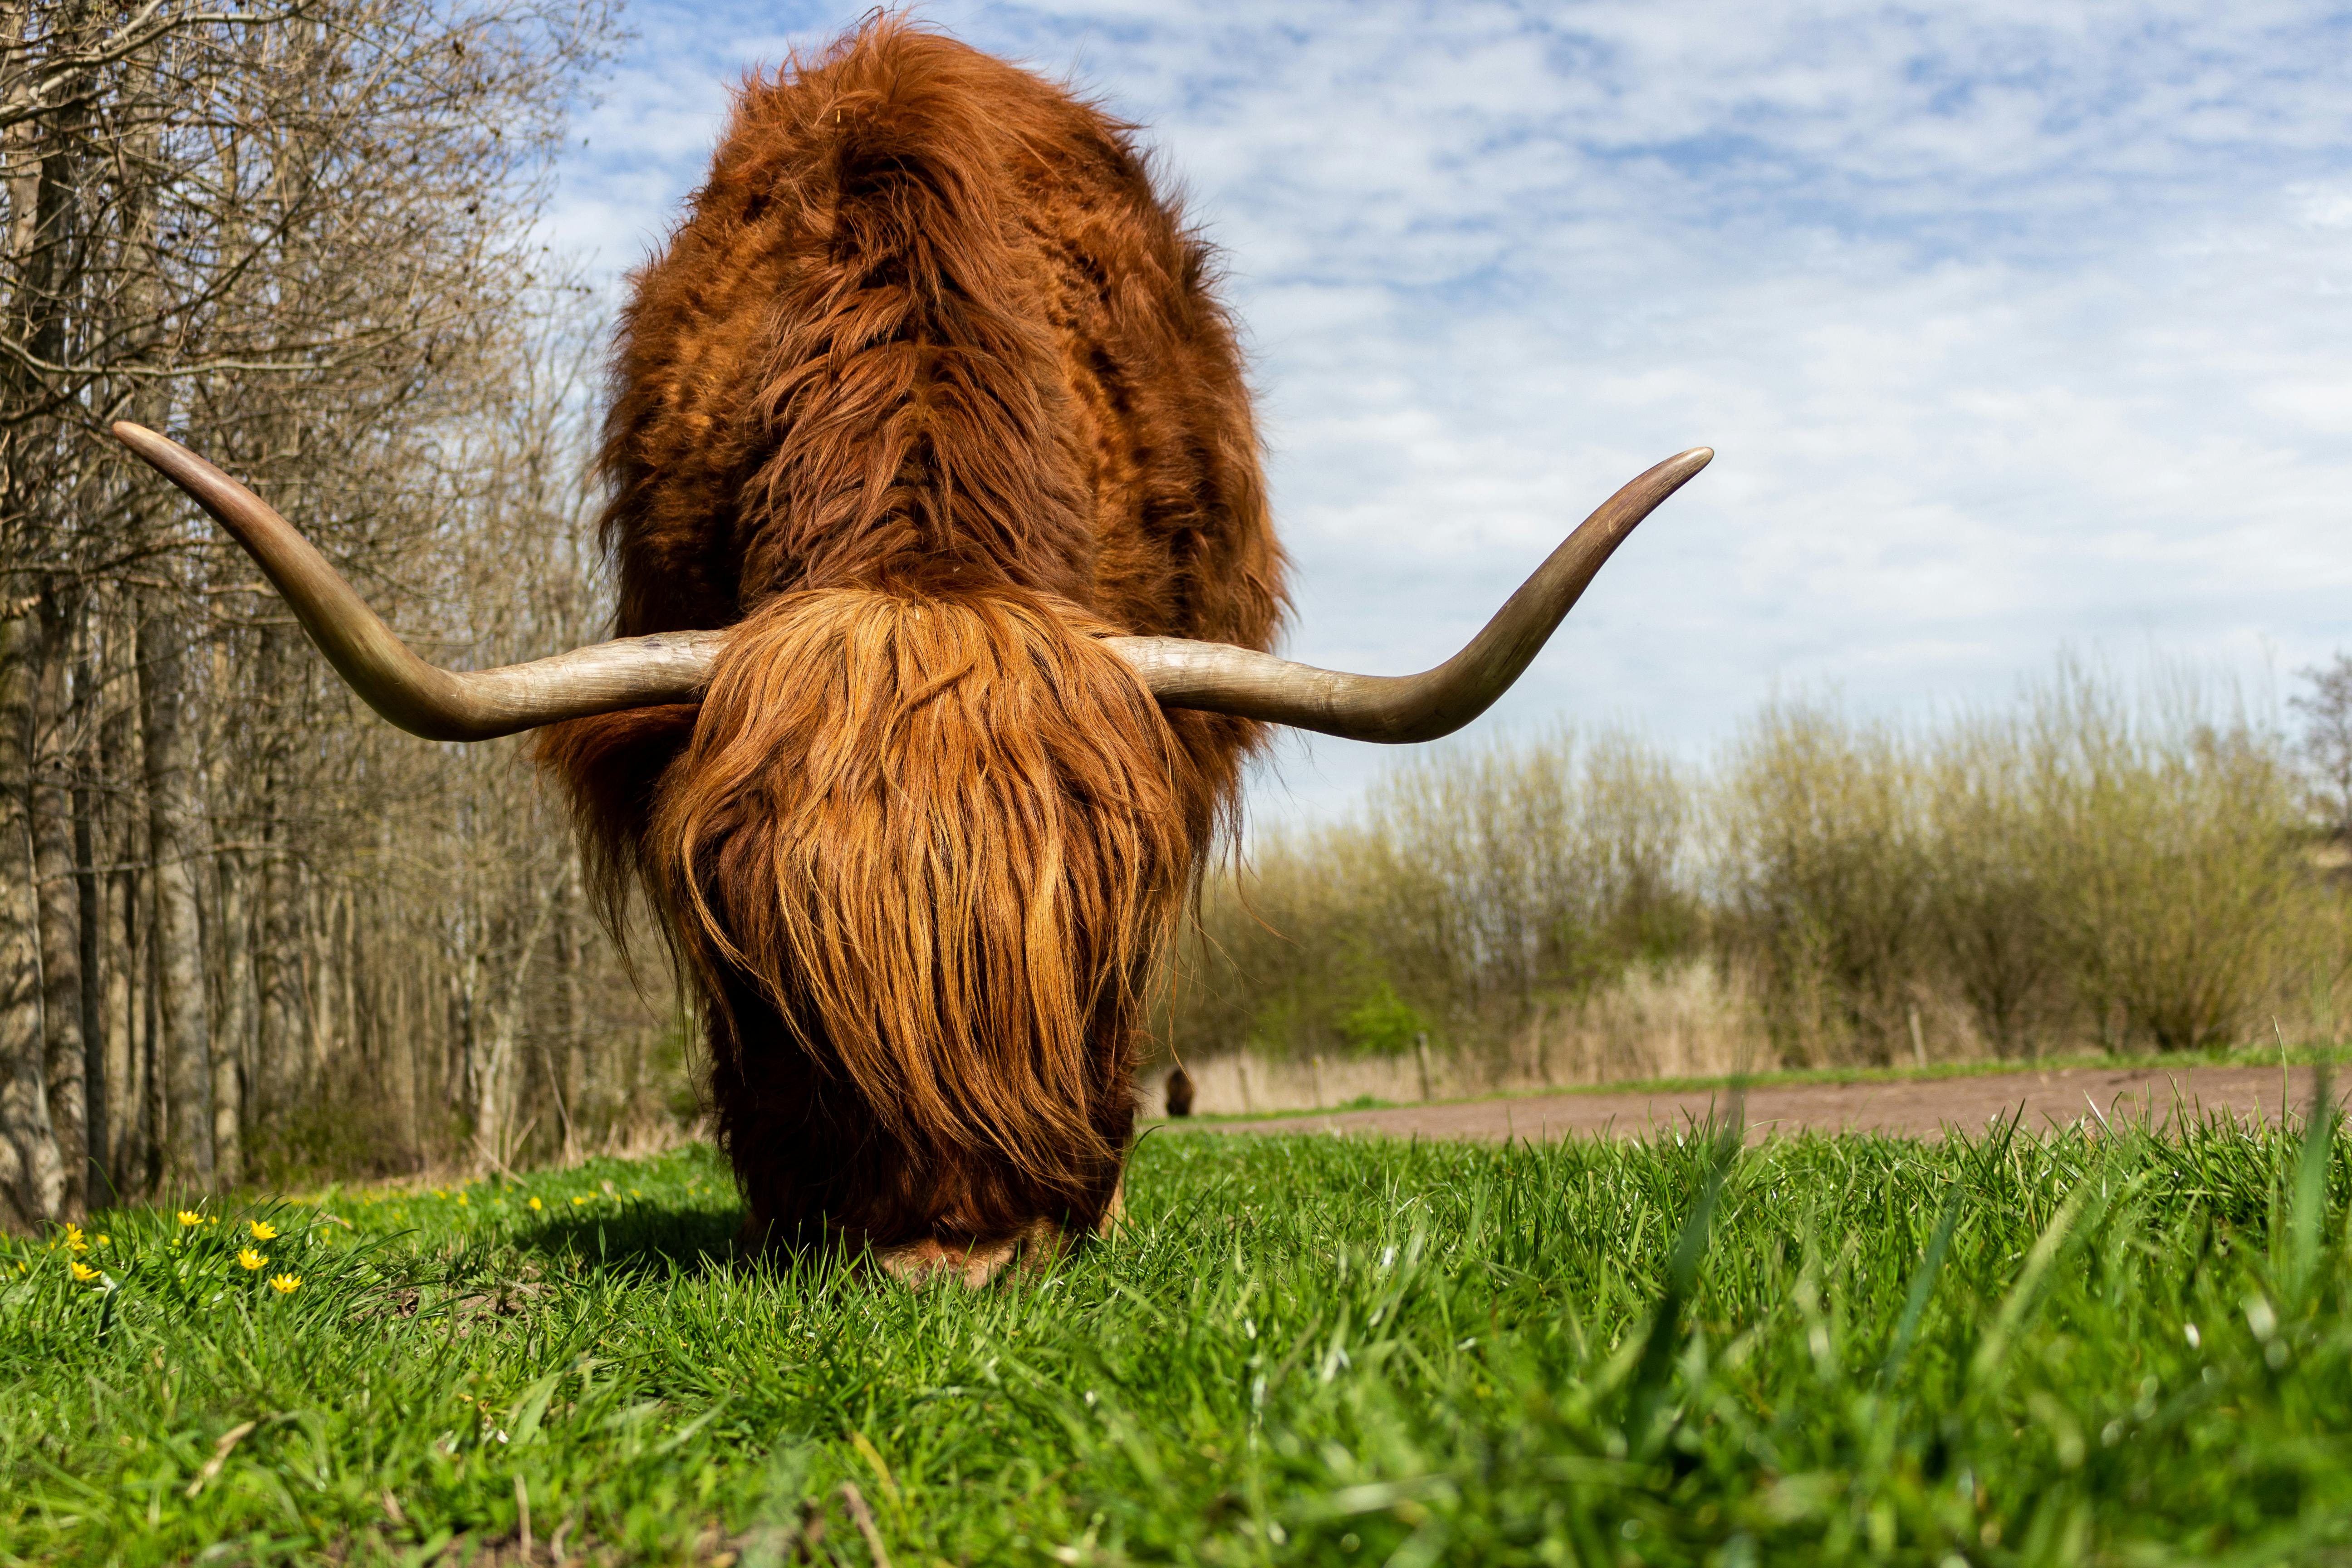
x=928, y=391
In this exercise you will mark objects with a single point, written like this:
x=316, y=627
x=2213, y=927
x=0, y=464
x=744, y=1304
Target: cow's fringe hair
x=942, y=838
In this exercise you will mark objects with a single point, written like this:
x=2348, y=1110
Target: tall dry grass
x=2185, y=893
x=1820, y=866
x=1475, y=892
x=2101, y=864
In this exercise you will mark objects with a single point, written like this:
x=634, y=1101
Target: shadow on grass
x=645, y=1238
x=655, y=1240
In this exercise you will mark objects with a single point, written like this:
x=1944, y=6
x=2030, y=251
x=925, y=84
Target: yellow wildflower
x=286, y=1284
x=73, y=1240
x=263, y=1230
x=461, y=1200
x=189, y=1217
x=534, y=1203
x=251, y=1259
x=577, y=1202
x=102, y=1238
x=82, y=1271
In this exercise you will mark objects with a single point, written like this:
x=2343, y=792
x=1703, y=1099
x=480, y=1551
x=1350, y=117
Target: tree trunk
x=155, y=1115
x=573, y=1061
x=327, y=1038
x=176, y=838
x=32, y=1174
x=232, y=1047
x=280, y=1031
x=123, y=942
x=89, y=900
x=281, y=1046
x=65, y=1064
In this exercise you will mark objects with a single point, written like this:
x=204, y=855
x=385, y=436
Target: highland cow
x=946, y=584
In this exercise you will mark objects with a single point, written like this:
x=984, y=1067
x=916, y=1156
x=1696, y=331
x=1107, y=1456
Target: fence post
x=1315, y=1075
x=1421, y=1050
x=1918, y=1040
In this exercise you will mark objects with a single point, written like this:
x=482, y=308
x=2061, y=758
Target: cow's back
x=929, y=314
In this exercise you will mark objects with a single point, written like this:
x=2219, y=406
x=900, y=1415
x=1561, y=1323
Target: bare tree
x=231, y=916
x=2326, y=749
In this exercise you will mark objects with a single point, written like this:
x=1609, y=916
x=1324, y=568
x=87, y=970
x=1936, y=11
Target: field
x=2013, y=1350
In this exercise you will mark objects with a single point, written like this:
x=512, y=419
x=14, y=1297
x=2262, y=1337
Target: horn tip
x=1698, y=458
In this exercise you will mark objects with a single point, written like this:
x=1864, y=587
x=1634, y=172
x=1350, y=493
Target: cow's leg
x=1114, y=1213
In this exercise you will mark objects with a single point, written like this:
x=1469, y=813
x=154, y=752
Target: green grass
x=2013, y=1350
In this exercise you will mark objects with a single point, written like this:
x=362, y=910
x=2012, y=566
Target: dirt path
x=1922, y=1108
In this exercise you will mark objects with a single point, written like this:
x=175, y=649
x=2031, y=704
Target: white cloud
x=2015, y=325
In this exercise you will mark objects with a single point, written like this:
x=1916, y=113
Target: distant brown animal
x=946, y=578
x=1179, y=1092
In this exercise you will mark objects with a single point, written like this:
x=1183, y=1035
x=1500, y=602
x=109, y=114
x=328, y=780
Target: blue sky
x=2018, y=327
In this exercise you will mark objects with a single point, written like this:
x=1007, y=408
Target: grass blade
x=2307, y=1216
x=1923, y=1286
x=2019, y=1303
x=1651, y=1374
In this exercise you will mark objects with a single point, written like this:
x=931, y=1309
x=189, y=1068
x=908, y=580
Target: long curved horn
x=674, y=667
x=422, y=698
x=1398, y=708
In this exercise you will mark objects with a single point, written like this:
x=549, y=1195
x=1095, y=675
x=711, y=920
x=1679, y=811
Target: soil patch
x=1912, y=1107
